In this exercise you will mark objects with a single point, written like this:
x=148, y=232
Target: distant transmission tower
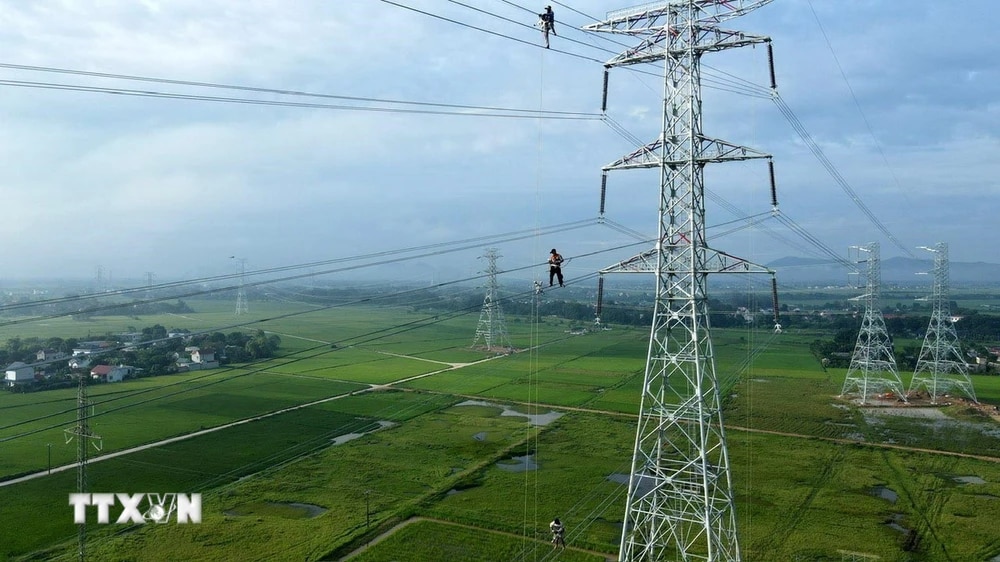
x=492, y=329
x=241, y=293
x=680, y=503
x=81, y=431
x=873, y=366
x=941, y=367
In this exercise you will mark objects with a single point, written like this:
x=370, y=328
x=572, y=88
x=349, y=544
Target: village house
x=49, y=355
x=79, y=362
x=18, y=373
x=111, y=373
x=200, y=359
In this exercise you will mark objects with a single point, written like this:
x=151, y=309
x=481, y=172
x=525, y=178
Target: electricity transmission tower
x=241, y=293
x=941, y=367
x=81, y=431
x=873, y=366
x=680, y=503
x=492, y=329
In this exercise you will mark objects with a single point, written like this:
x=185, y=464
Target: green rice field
x=367, y=441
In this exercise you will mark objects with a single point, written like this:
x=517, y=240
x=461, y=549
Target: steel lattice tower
x=83, y=435
x=941, y=367
x=873, y=366
x=680, y=502
x=241, y=293
x=492, y=329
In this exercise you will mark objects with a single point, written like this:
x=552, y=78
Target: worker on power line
x=555, y=267
x=558, y=530
x=547, y=21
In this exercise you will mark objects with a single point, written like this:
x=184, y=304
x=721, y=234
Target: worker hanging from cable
x=555, y=267
x=547, y=21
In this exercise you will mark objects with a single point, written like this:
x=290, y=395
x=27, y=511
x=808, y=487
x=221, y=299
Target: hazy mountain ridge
x=894, y=270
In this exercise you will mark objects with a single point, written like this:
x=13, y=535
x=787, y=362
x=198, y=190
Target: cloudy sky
x=903, y=102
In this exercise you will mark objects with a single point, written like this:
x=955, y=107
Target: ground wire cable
x=533, y=360
x=398, y=329
x=326, y=307
x=450, y=20
x=857, y=104
x=272, y=103
x=580, y=224
x=293, y=267
x=265, y=90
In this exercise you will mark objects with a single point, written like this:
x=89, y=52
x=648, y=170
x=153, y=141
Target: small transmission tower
x=941, y=367
x=241, y=293
x=492, y=329
x=680, y=503
x=873, y=366
x=84, y=436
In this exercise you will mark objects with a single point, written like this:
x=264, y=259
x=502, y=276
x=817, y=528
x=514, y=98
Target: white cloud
x=282, y=185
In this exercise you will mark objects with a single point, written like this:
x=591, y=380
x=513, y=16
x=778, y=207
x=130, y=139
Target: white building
x=109, y=373
x=18, y=373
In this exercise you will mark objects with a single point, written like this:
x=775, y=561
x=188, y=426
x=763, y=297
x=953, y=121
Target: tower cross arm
x=646, y=156
x=720, y=262
x=706, y=39
x=714, y=39
x=715, y=262
x=644, y=262
x=644, y=17
x=718, y=150
x=709, y=150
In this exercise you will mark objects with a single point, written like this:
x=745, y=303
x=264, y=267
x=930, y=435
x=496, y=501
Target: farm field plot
x=146, y=410
x=319, y=482
x=401, y=467
x=197, y=464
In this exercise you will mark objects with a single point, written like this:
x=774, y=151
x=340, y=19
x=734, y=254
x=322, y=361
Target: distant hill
x=894, y=270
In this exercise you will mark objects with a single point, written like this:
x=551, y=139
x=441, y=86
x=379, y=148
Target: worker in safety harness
x=547, y=21
x=555, y=267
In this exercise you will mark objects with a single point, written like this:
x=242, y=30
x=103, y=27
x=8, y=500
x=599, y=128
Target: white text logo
x=138, y=508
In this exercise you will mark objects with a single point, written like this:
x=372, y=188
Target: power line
x=857, y=104
x=275, y=103
x=466, y=243
x=353, y=341
x=279, y=91
x=800, y=129
x=456, y=22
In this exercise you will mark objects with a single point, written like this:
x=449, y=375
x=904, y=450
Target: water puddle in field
x=885, y=493
x=341, y=439
x=533, y=419
x=968, y=479
x=284, y=510
x=518, y=464
x=894, y=521
x=644, y=486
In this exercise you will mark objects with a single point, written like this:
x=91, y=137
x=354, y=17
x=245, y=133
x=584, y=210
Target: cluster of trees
x=154, y=354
